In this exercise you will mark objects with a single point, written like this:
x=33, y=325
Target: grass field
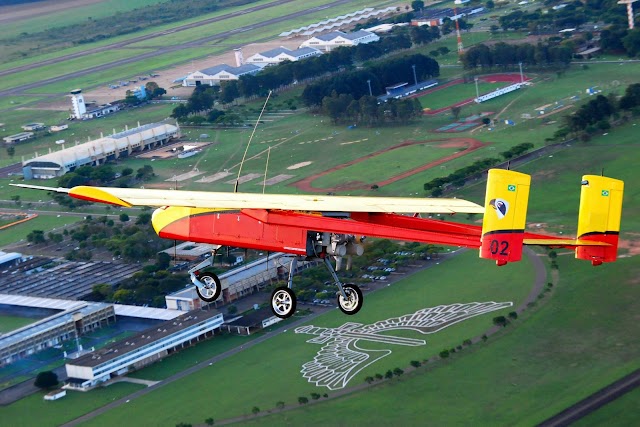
x=60, y=19
x=42, y=222
x=69, y=66
x=449, y=95
x=386, y=165
x=623, y=410
x=278, y=360
x=11, y=323
x=572, y=347
x=35, y=411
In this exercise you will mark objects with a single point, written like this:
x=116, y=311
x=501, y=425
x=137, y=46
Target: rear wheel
x=353, y=303
x=283, y=302
x=212, y=287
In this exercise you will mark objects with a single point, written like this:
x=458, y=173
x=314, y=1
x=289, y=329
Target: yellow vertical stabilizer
x=505, y=215
x=599, y=217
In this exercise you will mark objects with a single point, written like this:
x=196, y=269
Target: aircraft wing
x=128, y=197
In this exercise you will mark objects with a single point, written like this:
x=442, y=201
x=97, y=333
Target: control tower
x=77, y=100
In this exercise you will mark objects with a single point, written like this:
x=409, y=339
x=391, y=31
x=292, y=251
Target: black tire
x=283, y=302
x=355, y=299
x=213, y=288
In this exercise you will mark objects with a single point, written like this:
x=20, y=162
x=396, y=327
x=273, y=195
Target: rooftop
x=148, y=336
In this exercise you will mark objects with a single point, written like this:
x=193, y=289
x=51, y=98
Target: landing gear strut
x=208, y=286
x=283, y=299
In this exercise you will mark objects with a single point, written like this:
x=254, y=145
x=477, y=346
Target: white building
x=327, y=42
x=19, y=137
x=214, y=75
x=277, y=55
x=78, y=105
x=142, y=349
x=98, y=151
x=58, y=128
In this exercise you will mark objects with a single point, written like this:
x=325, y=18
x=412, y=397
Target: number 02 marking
x=500, y=247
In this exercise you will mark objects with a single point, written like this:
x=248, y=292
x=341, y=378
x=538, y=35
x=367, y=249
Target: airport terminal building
x=99, y=151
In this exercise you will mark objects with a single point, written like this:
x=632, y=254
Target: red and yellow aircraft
x=322, y=227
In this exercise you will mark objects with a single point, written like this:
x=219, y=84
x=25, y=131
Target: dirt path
x=470, y=144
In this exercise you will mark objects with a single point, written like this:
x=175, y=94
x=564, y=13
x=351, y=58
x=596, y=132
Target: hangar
x=277, y=55
x=214, y=75
x=99, y=151
x=327, y=42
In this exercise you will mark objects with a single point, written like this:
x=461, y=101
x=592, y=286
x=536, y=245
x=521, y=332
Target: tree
x=513, y=315
x=255, y=410
x=388, y=374
x=397, y=372
x=417, y=5
x=280, y=405
x=11, y=151
x=444, y=354
x=36, y=237
x=369, y=380
x=124, y=217
x=209, y=421
x=415, y=363
x=46, y=379
x=500, y=321
x=315, y=396
x=143, y=218
x=163, y=260
x=302, y=400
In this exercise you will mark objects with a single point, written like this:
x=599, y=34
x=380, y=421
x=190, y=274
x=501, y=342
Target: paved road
x=169, y=49
x=595, y=401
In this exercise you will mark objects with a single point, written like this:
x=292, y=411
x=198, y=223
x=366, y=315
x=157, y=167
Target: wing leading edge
x=127, y=197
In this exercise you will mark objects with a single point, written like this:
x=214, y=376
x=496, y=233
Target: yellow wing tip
x=95, y=194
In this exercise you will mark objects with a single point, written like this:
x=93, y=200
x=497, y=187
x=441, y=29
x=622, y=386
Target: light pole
x=477, y=93
x=415, y=79
x=369, y=83
x=521, y=76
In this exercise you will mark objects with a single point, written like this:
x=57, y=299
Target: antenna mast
x=460, y=46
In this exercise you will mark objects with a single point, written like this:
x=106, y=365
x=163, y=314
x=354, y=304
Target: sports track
x=470, y=144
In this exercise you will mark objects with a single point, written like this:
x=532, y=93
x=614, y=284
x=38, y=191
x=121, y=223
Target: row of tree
x=506, y=56
x=377, y=76
x=366, y=110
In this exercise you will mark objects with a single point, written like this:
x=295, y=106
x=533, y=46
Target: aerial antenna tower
x=460, y=46
x=629, y=4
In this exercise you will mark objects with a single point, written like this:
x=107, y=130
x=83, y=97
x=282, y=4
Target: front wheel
x=212, y=287
x=353, y=303
x=283, y=302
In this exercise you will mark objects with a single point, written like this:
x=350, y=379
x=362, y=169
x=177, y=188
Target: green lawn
x=11, y=323
x=452, y=94
x=386, y=165
x=624, y=410
x=42, y=222
x=275, y=363
x=68, y=66
x=577, y=343
x=35, y=411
